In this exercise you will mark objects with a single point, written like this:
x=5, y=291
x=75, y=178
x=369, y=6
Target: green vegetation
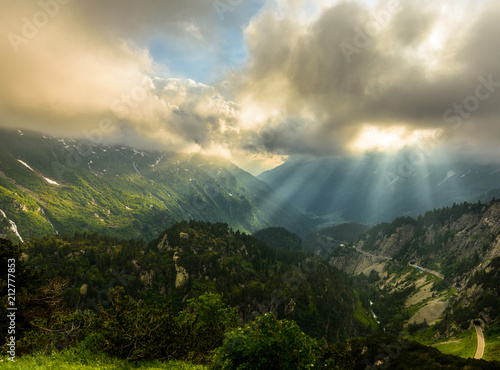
x=280, y=239
x=397, y=353
x=267, y=343
x=125, y=193
x=486, y=300
x=204, y=293
x=492, y=339
x=76, y=358
x=463, y=345
x=251, y=276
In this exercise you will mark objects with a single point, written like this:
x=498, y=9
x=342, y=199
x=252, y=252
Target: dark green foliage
x=330, y=237
x=252, y=277
x=280, y=239
x=488, y=300
x=206, y=319
x=23, y=280
x=267, y=343
x=134, y=330
x=390, y=308
x=396, y=353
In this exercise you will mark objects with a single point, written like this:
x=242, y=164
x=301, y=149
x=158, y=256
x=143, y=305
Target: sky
x=256, y=81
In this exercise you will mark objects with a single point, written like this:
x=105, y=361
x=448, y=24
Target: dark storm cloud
x=401, y=64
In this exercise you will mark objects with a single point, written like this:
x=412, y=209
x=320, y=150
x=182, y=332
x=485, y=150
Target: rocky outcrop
x=182, y=277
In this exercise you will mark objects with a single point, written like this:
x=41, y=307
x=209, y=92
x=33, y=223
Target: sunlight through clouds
x=291, y=92
x=390, y=139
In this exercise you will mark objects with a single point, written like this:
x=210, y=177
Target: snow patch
x=26, y=165
x=448, y=175
x=13, y=226
x=157, y=161
x=136, y=170
x=465, y=174
x=52, y=182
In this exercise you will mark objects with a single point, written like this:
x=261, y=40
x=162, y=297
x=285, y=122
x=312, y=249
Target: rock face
x=438, y=239
x=461, y=244
x=430, y=313
x=182, y=276
x=147, y=278
x=353, y=262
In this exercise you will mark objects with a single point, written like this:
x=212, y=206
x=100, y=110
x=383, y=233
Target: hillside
x=441, y=269
x=53, y=185
x=191, y=258
x=326, y=239
x=279, y=238
x=200, y=292
x=376, y=188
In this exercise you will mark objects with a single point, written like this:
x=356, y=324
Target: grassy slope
x=119, y=191
x=77, y=359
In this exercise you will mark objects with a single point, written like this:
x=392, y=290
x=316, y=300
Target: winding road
x=480, y=342
x=372, y=255
x=432, y=272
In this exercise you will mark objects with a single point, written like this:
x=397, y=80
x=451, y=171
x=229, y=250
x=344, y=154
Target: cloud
x=385, y=66
x=67, y=66
x=317, y=78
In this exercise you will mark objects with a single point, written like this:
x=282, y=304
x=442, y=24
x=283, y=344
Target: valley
x=109, y=226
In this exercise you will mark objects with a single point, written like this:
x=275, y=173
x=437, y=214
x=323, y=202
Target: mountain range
x=379, y=187
x=169, y=227
x=443, y=268
x=54, y=186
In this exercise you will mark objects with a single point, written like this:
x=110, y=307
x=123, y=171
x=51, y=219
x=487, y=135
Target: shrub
x=267, y=343
x=134, y=330
x=206, y=319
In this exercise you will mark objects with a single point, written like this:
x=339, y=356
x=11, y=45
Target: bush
x=134, y=330
x=267, y=343
x=206, y=319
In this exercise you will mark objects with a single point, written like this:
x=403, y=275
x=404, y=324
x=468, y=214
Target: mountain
x=191, y=258
x=378, y=187
x=197, y=287
x=279, y=238
x=326, y=239
x=53, y=185
x=441, y=269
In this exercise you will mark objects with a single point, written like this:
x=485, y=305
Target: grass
x=467, y=342
x=492, y=350
x=463, y=345
x=364, y=317
x=78, y=359
x=492, y=339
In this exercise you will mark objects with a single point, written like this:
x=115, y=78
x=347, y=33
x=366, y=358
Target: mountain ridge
x=50, y=185
x=377, y=187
